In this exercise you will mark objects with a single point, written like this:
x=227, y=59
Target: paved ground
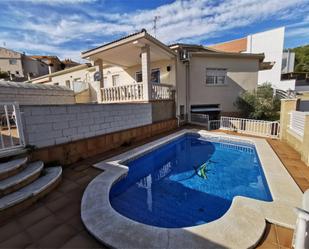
x=54, y=222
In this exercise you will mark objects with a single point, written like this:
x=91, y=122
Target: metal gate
x=11, y=132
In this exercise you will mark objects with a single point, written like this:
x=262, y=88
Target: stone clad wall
x=58, y=124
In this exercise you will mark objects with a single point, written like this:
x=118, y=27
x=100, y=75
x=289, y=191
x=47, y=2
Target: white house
x=140, y=68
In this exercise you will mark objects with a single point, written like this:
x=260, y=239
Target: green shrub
x=3, y=75
x=259, y=104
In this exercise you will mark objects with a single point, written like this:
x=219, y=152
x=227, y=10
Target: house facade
x=140, y=68
x=20, y=66
x=278, y=63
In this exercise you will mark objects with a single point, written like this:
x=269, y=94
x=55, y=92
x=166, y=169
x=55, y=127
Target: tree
x=3, y=75
x=259, y=104
x=301, y=59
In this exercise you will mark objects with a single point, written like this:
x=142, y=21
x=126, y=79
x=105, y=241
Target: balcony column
x=145, y=61
x=99, y=84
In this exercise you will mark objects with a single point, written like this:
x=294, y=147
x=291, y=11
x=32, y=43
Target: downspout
x=188, y=91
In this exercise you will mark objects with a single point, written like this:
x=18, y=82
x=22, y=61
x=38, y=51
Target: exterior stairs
x=23, y=183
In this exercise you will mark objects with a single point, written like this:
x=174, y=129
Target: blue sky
x=67, y=27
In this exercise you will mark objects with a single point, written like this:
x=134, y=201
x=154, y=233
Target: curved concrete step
x=12, y=167
x=34, y=190
x=24, y=177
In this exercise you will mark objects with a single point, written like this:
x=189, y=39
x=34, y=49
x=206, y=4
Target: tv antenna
x=155, y=20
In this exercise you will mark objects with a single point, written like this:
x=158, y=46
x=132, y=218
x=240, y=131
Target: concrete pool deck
x=242, y=226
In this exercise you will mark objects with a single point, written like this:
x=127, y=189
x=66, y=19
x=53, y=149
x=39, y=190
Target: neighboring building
x=20, y=66
x=53, y=62
x=140, y=68
x=80, y=79
x=277, y=61
x=68, y=63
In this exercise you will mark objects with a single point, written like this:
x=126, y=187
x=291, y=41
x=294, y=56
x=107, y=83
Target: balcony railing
x=161, y=91
x=134, y=93
x=125, y=93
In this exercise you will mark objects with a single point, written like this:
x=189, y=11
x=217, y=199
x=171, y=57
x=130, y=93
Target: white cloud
x=53, y=2
x=188, y=20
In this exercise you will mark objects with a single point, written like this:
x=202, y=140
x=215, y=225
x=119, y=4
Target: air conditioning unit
x=184, y=55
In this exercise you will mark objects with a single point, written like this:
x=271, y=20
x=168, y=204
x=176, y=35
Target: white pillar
x=145, y=59
x=99, y=84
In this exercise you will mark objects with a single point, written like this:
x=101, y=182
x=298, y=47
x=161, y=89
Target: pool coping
x=241, y=226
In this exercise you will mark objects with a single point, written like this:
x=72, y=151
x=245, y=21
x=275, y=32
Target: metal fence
x=250, y=126
x=297, y=122
x=200, y=119
x=11, y=132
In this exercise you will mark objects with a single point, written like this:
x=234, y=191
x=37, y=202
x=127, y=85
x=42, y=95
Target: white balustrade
x=134, y=92
x=11, y=132
x=125, y=93
x=161, y=91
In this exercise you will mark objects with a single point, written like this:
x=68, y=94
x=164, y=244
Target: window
x=138, y=77
x=68, y=83
x=115, y=80
x=155, y=75
x=216, y=76
x=17, y=72
x=12, y=61
x=56, y=84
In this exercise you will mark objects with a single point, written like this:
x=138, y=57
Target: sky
x=67, y=27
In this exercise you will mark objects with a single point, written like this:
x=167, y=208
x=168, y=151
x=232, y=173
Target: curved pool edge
x=239, y=227
x=242, y=226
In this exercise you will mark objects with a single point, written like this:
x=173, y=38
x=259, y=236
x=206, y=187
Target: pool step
x=12, y=167
x=24, y=177
x=32, y=191
x=23, y=184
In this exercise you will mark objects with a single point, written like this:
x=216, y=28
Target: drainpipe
x=188, y=90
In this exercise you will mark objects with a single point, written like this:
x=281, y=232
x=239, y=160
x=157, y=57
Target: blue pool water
x=171, y=186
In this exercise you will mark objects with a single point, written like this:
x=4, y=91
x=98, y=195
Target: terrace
x=136, y=68
x=55, y=221
x=100, y=132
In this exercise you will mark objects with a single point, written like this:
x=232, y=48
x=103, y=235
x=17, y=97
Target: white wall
x=242, y=75
x=286, y=85
x=51, y=125
x=127, y=75
x=271, y=44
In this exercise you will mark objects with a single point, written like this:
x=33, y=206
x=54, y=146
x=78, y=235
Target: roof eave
x=125, y=40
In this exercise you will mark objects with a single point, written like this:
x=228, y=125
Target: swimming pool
x=189, y=181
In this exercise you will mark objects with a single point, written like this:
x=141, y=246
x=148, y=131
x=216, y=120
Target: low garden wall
x=72, y=152
x=299, y=143
x=57, y=124
x=35, y=94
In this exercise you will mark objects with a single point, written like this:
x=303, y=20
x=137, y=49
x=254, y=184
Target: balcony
x=135, y=93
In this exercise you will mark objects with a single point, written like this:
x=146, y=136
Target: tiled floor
x=54, y=222
x=291, y=160
x=276, y=237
